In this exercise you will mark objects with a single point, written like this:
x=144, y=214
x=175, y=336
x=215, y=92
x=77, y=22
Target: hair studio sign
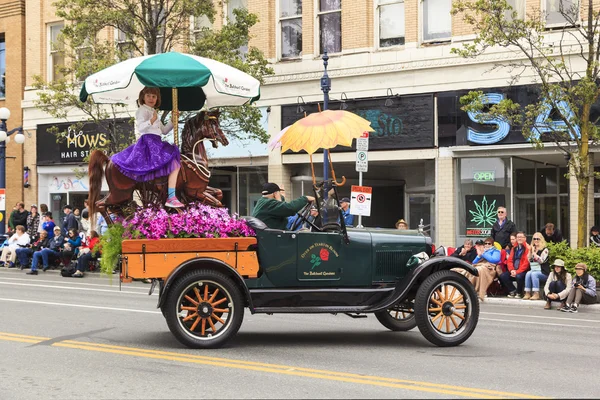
x=76, y=143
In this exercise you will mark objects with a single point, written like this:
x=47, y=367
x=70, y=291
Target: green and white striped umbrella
x=197, y=79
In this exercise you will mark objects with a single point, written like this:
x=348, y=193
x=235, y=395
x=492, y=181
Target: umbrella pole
x=312, y=168
x=325, y=87
x=175, y=117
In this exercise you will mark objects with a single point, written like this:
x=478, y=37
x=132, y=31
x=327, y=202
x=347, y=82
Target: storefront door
x=421, y=207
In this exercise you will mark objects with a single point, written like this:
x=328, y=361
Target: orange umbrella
x=324, y=130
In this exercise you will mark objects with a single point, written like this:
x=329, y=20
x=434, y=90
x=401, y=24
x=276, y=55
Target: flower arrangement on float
x=153, y=222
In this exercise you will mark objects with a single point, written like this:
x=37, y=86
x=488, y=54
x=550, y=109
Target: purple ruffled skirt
x=149, y=158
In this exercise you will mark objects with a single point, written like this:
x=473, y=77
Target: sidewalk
x=539, y=304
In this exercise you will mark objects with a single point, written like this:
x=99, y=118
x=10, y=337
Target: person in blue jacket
x=488, y=257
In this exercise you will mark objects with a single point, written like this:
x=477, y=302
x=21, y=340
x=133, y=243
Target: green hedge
x=587, y=255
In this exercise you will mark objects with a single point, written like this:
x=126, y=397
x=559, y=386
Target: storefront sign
x=482, y=213
x=78, y=141
x=484, y=176
x=459, y=128
x=407, y=122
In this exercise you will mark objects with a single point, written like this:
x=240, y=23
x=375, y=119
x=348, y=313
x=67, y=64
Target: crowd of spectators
x=36, y=242
x=524, y=270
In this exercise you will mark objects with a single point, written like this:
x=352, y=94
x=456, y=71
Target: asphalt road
x=68, y=338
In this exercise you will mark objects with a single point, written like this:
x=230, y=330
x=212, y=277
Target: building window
x=562, y=12
x=57, y=54
x=330, y=26
x=518, y=6
x=125, y=48
x=391, y=22
x=200, y=25
x=159, y=14
x=290, y=18
x=83, y=52
x=234, y=5
x=2, y=67
x=437, y=21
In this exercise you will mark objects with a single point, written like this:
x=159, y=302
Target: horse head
x=209, y=128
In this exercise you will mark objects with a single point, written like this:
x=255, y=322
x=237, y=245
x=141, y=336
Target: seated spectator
x=24, y=253
x=401, y=225
x=71, y=247
x=583, y=290
x=594, y=236
x=18, y=240
x=551, y=234
x=466, y=252
x=486, y=261
x=558, y=285
x=53, y=250
x=539, y=268
x=87, y=253
x=518, y=265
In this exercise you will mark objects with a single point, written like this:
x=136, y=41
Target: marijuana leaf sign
x=484, y=213
x=315, y=261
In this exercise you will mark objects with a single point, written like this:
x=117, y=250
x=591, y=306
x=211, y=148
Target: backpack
x=68, y=270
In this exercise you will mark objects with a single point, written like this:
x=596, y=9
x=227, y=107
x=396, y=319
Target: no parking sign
x=360, y=200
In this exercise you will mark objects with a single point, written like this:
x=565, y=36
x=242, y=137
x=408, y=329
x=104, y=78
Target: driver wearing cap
x=273, y=211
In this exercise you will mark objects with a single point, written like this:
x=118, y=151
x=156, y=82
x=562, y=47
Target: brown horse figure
x=192, y=181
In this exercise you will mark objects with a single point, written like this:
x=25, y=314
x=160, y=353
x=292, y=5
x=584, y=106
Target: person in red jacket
x=518, y=265
x=87, y=254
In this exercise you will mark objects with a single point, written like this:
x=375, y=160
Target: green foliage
x=587, y=255
x=110, y=243
x=146, y=27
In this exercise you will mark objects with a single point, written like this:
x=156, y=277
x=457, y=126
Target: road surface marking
x=541, y=317
x=273, y=368
x=536, y=323
x=49, y=303
x=75, y=282
x=71, y=288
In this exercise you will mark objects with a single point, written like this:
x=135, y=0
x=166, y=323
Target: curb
x=536, y=304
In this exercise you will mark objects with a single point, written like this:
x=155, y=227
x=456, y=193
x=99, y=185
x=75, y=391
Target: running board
x=309, y=310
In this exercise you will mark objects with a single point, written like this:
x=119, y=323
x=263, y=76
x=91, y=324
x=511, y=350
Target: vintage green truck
x=206, y=284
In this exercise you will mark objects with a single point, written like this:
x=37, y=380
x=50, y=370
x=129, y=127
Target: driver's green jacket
x=274, y=213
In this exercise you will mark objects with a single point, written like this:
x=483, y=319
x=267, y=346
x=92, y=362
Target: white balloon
x=19, y=138
x=3, y=136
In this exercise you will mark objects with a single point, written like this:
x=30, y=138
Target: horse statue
x=192, y=181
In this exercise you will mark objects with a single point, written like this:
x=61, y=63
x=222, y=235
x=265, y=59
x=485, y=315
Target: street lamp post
x=325, y=87
x=4, y=138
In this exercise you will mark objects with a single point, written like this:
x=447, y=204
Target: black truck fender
x=203, y=263
x=419, y=274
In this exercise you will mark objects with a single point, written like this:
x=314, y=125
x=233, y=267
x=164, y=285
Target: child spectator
x=583, y=290
x=558, y=285
x=48, y=225
x=539, y=268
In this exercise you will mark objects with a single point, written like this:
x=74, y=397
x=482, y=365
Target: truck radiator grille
x=391, y=263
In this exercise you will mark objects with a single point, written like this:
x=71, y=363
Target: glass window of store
x=484, y=185
x=541, y=196
x=290, y=19
x=250, y=182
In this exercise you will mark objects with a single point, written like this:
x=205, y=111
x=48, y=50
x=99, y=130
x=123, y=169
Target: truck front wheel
x=446, y=308
x=204, y=309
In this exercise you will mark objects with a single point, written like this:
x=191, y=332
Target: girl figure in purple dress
x=150, y=157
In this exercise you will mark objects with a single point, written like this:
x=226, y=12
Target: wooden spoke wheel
x=446, y=308
x=204, y=309
x=399, y=317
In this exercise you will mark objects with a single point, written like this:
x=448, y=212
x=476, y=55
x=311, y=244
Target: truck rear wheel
x=399, y=318
x=204, y=309
x=446, y=308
